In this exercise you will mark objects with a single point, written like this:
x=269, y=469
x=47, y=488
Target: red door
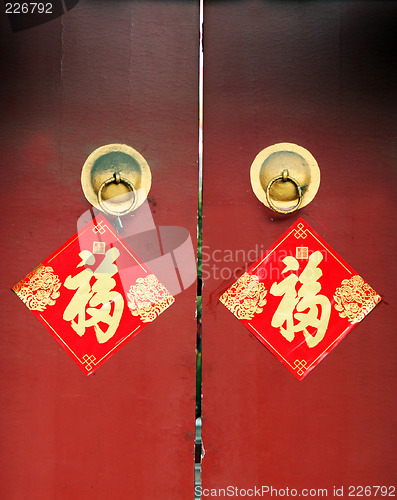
x=105, y=72
x=321, y=75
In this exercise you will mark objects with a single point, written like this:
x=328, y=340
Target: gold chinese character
x=98, y=293
x=306, y=301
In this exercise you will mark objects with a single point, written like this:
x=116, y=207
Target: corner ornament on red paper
x=300, y=299
x=93, y=294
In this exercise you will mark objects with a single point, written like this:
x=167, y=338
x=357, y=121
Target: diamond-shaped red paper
x=93, y=294
x=300, y=299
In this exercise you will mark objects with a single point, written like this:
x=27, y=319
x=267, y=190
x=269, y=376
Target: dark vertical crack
x=198, y=441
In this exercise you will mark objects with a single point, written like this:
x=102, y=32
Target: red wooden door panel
x=106, y=72
x=321, y=75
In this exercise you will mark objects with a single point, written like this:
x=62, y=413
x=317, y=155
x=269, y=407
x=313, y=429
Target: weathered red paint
x=321, y=75
x=105, y=72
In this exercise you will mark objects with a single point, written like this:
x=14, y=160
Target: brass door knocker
x=106, y=206
x=116, y=179
x=285, y=177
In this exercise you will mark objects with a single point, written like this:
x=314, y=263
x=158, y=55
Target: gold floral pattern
x=246, y=297
x=354, y=299
x=148, y=298
x=39, y=289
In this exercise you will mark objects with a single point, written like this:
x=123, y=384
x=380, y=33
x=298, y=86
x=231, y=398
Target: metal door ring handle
x=284, y=176
x=117, y=179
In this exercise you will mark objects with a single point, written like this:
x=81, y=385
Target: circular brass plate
x=103, y=163
x=271, y=162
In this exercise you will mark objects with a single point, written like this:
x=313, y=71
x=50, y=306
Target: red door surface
x=321, y=75
x=104, y=72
